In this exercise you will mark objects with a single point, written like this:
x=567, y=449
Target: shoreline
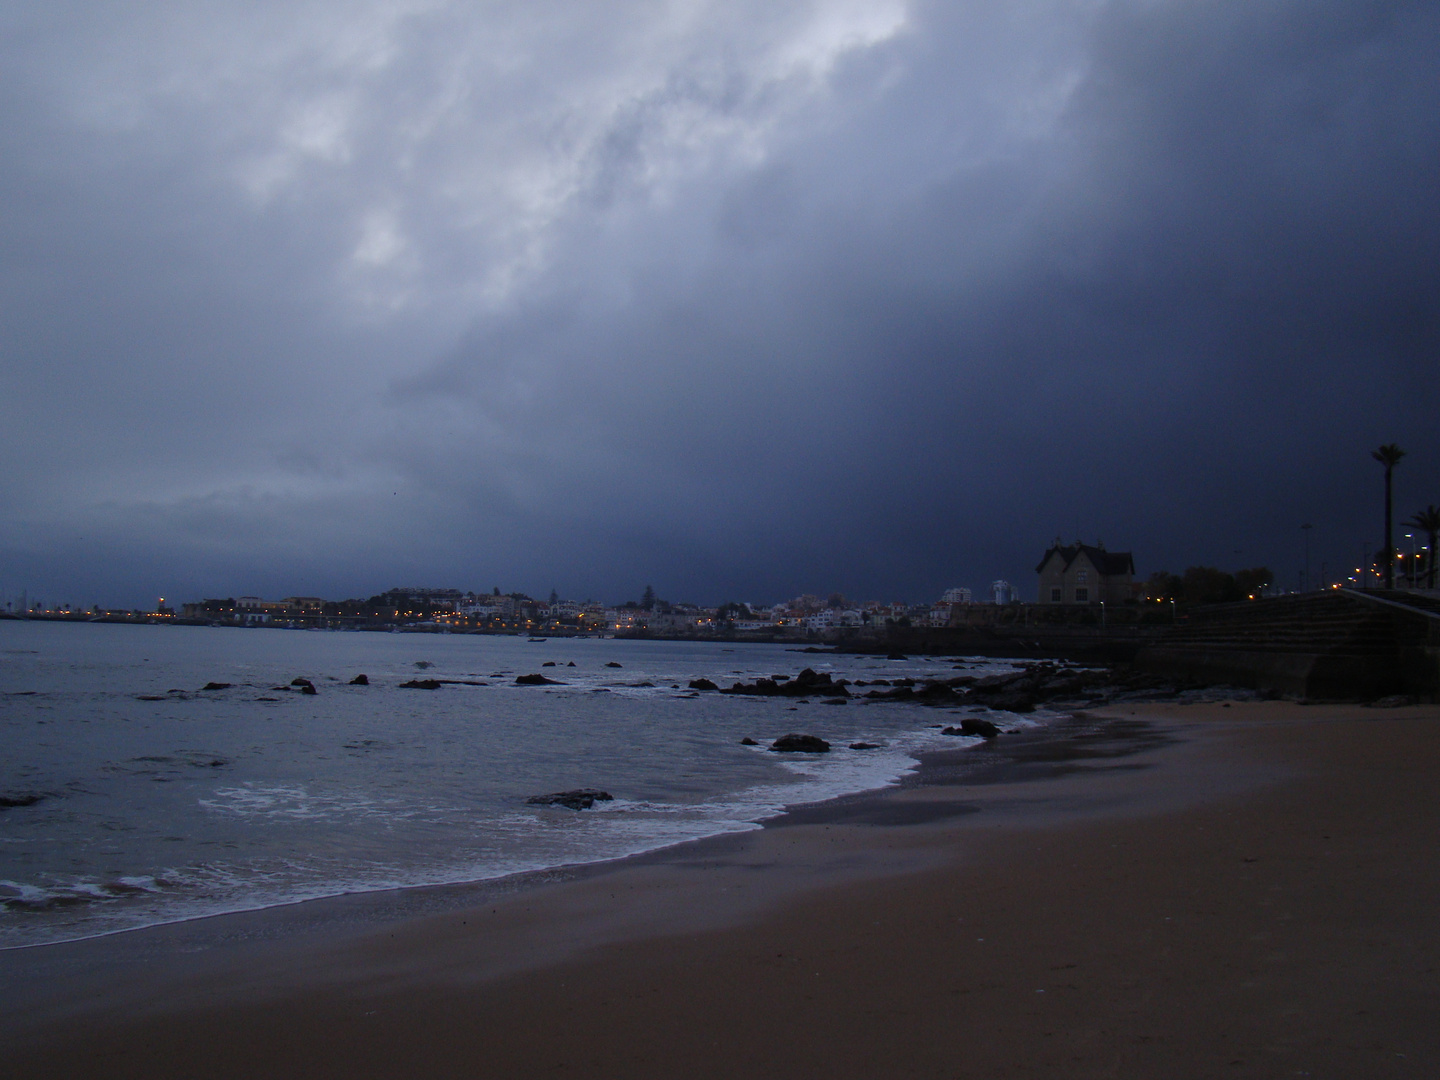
x=304, y=922
x=815, y=881
x=425, y=895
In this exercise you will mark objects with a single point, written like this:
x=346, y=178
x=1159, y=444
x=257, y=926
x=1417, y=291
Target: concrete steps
x=1322, y=644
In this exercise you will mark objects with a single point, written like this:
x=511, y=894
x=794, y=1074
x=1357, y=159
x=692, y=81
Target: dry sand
x=1245, y=891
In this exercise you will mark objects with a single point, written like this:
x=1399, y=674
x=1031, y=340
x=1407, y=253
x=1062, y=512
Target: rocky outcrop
x=800, y=744
x=702, y=684
x=216, y=686
x=808, y=683
x=421, y=684
x=360, y=680
x=974, y=726
x=536, y=680
x=579, y=799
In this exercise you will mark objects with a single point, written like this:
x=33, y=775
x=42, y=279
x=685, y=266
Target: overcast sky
x=739, y=298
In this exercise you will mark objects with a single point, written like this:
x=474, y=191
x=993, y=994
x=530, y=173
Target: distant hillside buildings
x=1077, y=574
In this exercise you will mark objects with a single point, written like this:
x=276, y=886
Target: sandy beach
x=1244, y=890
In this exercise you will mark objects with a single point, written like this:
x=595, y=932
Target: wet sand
x=1161, y=891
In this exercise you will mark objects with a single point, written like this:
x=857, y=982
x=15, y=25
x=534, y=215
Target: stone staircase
x=1334, y=644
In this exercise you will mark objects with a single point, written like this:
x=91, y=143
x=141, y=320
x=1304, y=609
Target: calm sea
x=155, y=801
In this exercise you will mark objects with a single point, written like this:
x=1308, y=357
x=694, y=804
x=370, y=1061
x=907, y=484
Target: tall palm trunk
x=1389, y=455
x=1389, y=538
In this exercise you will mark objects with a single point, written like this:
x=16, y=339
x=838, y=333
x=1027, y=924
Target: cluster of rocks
x=809, y=683
x=1032, y=686
x=579, y=799
x=805, y=744
x=1017, y=691
x=435, y=684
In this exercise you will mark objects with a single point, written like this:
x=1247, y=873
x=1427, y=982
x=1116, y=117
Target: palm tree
x=1429, y=521
x=1388, y=455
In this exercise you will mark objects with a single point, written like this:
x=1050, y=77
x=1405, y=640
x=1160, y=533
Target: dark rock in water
x=548, y=663
x=421, y=684
x=897, y=656
x=808, y=683
x=20, y=798
x=1015, y=701
x=642, y=685
x=612, y=663
x=149, y=697
x=747, y=741
x=834, y=701
x=216, y=686
x=301, y=682
x=800, y=744
x=999, y=682
x=864, y=746
x=536, y=680
x=974, y=726
x=308, y=688
x=570, y=664
x=579, y=799
x=423, y=664
x=702, y=684
x=360, y=680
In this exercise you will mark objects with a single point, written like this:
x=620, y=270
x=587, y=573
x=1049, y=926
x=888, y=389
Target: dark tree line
x=1208, y=585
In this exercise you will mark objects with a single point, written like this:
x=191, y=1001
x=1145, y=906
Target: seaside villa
x=1082, y=574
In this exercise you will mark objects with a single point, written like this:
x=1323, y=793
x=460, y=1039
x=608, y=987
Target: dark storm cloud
x=741, y=302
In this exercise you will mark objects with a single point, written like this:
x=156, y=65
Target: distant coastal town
x=1076, y=583
x=447, y=609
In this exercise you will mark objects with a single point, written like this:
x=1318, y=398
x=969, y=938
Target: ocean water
x=156, y=801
